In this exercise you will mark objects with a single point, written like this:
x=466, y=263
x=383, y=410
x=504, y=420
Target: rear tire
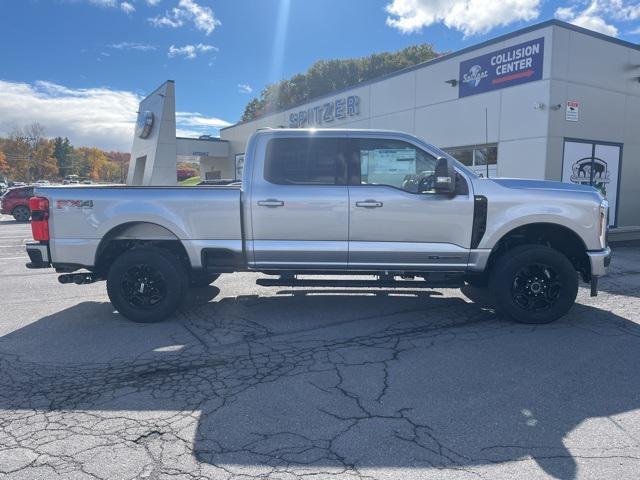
x=534, y=284
x=147, y=284
x=200, y=279
x=21, y=213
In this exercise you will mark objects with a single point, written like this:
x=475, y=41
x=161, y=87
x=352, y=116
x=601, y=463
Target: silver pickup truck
x=341, y=203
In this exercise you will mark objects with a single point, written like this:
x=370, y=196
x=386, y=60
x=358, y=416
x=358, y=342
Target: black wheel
x=202, y=279
x=21, y=213
x=534, y=284
x=146, y=284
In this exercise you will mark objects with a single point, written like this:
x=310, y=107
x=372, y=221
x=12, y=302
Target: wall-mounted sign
x=144, y=124
x=510, y=66
x=327, y=112
x=573, y=111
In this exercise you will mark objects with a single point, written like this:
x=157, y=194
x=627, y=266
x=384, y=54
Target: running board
x=448, y=282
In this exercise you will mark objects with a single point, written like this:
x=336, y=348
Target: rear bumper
x=38, y=255
x=600, y=261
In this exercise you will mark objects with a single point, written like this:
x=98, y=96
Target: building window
x=482, y=159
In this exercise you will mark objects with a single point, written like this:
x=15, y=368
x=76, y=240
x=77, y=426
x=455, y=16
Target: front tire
x=147, y=285
x=534, y=284
x=21, y=213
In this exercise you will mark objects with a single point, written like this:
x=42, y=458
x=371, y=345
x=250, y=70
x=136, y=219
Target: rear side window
x=306, y=161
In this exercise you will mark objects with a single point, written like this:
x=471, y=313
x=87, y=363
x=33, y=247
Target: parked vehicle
x=42, y=183
x=16, y=202
x=340, y=202
x=71, y=179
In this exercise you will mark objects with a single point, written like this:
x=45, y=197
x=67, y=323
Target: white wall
x=602, y=77
x=156, y=153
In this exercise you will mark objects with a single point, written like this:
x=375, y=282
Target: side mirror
x=445, y=175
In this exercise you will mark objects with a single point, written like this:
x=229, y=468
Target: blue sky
x=80, y=66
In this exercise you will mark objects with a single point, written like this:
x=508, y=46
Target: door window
x=396, y=164
x=306, y=161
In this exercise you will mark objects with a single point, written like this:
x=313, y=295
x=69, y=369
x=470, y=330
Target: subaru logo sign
x=475, y=74
x=510, y=66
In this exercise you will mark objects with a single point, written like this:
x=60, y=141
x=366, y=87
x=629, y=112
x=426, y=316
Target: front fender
x=577, y=218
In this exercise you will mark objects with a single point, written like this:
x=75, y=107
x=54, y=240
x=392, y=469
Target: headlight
x=603, y=222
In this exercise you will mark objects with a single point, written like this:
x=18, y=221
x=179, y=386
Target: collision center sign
x=510, y=66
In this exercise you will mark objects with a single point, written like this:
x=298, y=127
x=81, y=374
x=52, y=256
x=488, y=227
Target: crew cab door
x=299, y=204
x=396, y=221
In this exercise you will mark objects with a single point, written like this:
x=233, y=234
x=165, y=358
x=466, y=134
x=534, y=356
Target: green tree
x=62, y=148
x=326, y=76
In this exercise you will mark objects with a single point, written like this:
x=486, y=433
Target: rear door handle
x=271, y=202
x=369, y=204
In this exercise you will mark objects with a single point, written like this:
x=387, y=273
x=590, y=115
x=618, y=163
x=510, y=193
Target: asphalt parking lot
x=252, y=382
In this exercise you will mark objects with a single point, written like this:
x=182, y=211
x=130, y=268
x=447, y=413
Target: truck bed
x=82, y=216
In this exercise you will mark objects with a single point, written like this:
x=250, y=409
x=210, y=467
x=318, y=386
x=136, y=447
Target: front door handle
x=271, y=202
x=369, y=204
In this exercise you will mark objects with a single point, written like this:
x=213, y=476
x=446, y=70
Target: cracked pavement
x=252, y=382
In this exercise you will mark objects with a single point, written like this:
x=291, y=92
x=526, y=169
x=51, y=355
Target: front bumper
x=600, y=261
x=38, y=255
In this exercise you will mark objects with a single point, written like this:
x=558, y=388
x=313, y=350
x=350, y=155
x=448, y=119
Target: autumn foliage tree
x=27, y=155
x=4, y=166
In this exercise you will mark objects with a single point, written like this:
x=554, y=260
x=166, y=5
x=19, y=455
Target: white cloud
x=203, y=18
x=100, y=117
x=153, y=3
x=190, y=51
x=92, y=117
x=104, y=3
x=593, y=16
x=127, y=7
x=199, y=121
x=165, y=21
x=468, y=16
x=244, y=88
x=143, y=47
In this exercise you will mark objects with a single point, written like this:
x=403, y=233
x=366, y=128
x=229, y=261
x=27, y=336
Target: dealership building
x=551, y=101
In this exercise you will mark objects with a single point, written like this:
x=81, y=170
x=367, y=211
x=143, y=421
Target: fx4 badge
x=66, y=204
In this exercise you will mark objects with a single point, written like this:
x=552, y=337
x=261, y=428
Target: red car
x=16, y=202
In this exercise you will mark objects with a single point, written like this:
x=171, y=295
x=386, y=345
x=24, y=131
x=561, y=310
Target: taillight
x=39, y=218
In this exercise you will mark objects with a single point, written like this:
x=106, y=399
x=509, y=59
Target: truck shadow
x=329, y=381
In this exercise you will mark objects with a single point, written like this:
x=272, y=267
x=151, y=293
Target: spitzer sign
x=510, y=66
